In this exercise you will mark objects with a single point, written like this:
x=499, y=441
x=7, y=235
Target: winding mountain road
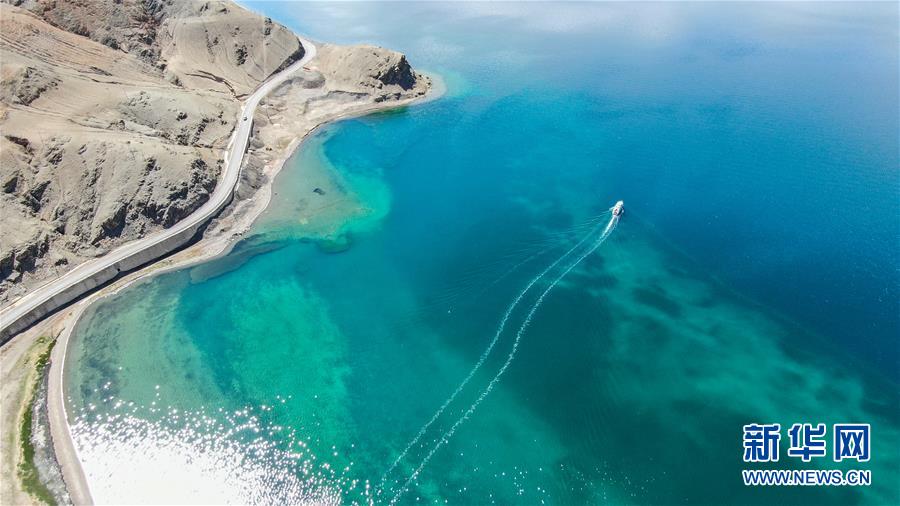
x=83, y=278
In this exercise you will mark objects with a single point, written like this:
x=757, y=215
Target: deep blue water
x=753, y=278
x=762, y=140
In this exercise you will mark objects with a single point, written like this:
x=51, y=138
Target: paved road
x=220, y=197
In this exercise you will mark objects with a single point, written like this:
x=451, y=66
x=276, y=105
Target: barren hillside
x=114, y=117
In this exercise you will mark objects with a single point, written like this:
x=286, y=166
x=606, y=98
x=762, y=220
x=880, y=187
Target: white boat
x=618, y=209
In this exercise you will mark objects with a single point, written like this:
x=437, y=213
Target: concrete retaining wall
x=127, y=264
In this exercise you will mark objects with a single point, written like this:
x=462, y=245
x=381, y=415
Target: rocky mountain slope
x=114, y=117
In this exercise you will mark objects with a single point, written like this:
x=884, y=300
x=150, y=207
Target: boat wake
x=483, y=357
x=241, y=457
x=616, y=213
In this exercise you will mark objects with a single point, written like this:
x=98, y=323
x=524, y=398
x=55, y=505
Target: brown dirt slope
x=114, y=115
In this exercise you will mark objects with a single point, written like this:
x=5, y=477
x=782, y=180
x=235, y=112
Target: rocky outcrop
x=114, y=117
x=366, y=68
x=26, y=84
x=398, y=72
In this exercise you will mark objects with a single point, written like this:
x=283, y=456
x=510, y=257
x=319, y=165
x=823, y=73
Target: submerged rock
x=337, y=244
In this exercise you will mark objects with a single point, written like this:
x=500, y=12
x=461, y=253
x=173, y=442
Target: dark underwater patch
x=655, y=298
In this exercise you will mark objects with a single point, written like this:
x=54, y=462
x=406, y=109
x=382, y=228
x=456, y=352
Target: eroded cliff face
x=364, y=68
x=114, y=117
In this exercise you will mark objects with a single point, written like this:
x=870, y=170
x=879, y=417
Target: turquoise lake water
x=753, y=278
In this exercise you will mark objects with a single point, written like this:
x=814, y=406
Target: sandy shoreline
x=217, y=241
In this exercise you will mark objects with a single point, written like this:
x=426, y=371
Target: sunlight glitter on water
x=165, y=456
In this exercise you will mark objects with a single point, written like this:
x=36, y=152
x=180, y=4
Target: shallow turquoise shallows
x=752, y=279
